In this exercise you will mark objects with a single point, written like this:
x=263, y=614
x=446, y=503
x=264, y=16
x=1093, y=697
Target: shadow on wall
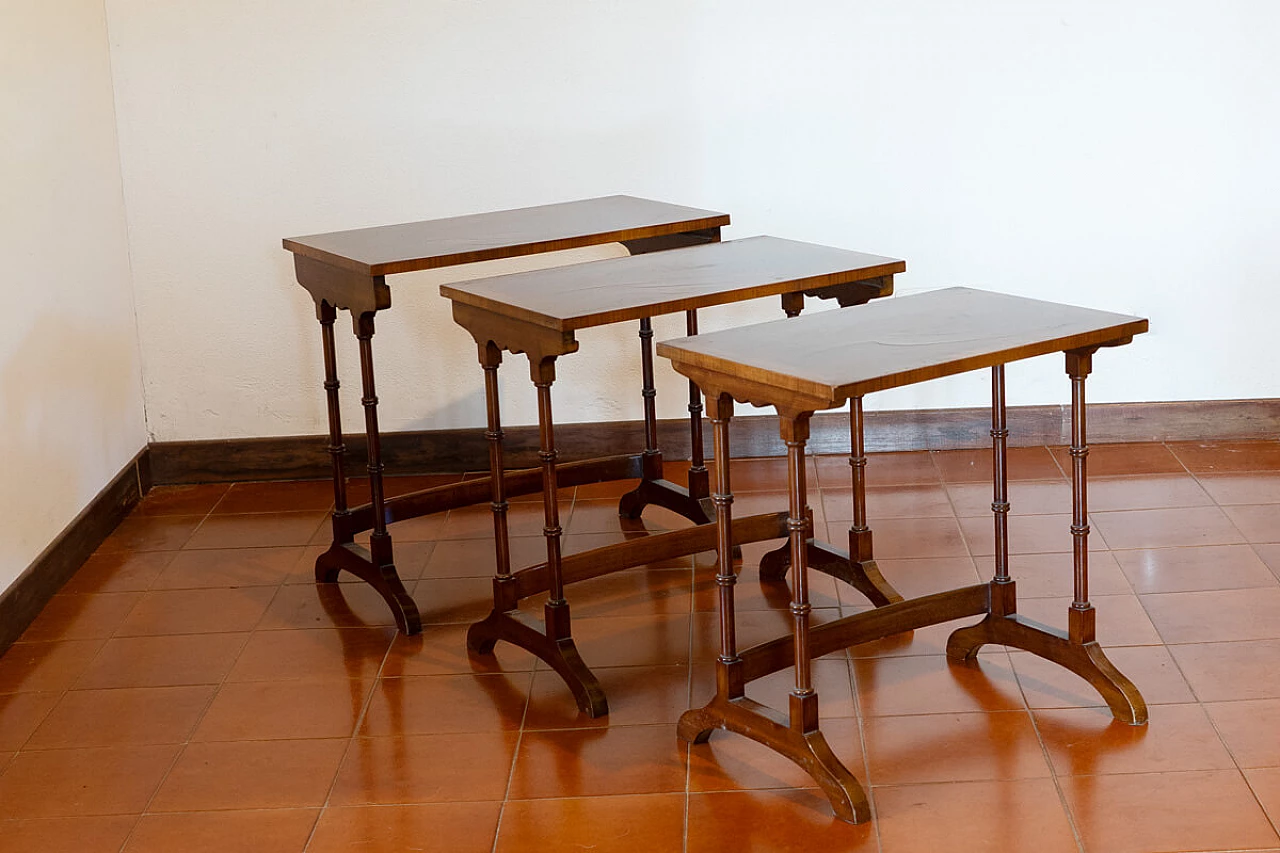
x=69, y=397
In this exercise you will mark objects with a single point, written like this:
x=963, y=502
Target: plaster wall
x=1118, y=155
x=71, y=412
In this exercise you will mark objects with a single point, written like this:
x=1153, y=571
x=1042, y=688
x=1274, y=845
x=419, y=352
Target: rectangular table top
x=619, y=289
x=893, y=342
x=390, y=249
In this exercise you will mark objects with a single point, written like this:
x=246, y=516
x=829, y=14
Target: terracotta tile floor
x=191, y=689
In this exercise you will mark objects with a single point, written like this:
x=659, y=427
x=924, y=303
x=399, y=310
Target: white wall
x=71, y=414
x=1119, y=155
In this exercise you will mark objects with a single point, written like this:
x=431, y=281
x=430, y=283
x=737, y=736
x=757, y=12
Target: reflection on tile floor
x=191, y=689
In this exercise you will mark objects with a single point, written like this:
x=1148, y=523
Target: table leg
x=699, y=480
x=377, y=566
x=554, y=642
x=774, y=564
x=1003, y=590
x=857, y=568
x=729, y=679
x=326, y=569
x=692, y=503
x=1082, y=621
x=581, y=681
x=484, y=635
x=1077, y=649
x=797, y=735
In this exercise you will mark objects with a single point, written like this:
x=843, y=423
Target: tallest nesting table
x=347, y=270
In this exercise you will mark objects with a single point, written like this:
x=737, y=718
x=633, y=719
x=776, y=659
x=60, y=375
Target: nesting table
x=538, y=314
x=821, y=361
x=347, y=270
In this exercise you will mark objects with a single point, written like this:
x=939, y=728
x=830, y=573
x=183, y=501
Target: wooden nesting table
x=347, y=270
x=822, y=361
x=538, y=313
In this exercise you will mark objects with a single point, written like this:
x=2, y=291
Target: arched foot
x=582, y=682
x=809, y=750
x=695, y=726
x=482, y=638
x=327, y=568
x=632, y=504
x=774, y=564
x=848, y=800
x=405, y=611
x=1086, y=660
x=667, y=495
x=383, y=579
x=965, y=643
x=561, y=655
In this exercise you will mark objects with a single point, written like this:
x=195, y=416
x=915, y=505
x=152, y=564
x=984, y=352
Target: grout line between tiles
x=351, y=739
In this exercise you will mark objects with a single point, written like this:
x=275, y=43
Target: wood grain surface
x=836, y=355
x=391, y=249
x=619, y=289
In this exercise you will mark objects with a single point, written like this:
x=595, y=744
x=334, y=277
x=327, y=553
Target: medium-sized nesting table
x=821, y=361
x=538, y=313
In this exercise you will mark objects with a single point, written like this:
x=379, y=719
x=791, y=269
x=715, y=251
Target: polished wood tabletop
x=841, y=354
x=618, y=289
x=390, y=249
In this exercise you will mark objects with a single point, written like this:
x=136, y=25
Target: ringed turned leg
x=858, y=568
x=484, y=635
x=1077, y=649
x=693, y=502
x=586, y=689
x=797, y=736
x=326, y=568
x=378, y=568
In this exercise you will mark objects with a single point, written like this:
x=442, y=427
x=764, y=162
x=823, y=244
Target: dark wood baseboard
x=27, y=596
x=305, y=457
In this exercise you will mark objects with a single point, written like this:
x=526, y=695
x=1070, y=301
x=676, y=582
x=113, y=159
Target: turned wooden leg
x=327, y=570
x=792, y=304
x=857, y=568
x=1081, y=619
x=696, y=726
x=586, y=688
x=774, y=564
x=378, y=568
x=1077, y=649
x=699, y=479
x=504, y=595
x=693, y=502
x=649, y=394
x=552, y=642
x=796, y=736
x=1003, y=590
x=804, y=699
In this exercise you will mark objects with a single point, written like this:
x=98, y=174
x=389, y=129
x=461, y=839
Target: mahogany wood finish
x=822, y=361
x=390, y=249
x=537, y=313
x=347, y=270
x=565, y=299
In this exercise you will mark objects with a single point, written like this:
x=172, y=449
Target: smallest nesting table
x=821, y=361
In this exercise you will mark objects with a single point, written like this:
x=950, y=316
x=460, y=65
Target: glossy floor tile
x=1175, y=811
x=282, y=830
x=191, y=688
x=465, y=827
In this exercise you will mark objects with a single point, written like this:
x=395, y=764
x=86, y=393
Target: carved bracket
x=350, y=291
